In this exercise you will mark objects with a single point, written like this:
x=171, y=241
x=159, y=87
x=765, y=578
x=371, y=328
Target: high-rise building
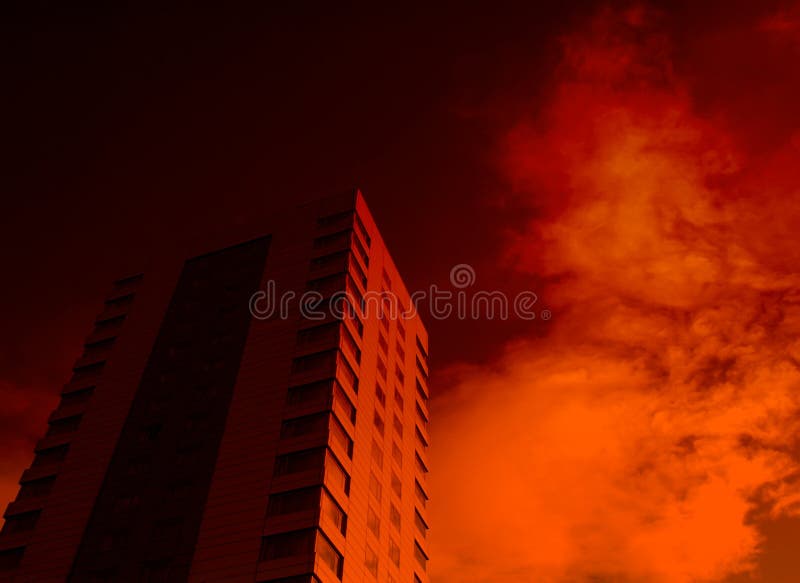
x=196, y=442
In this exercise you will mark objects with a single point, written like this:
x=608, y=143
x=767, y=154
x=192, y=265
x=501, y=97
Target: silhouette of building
x=196, y=442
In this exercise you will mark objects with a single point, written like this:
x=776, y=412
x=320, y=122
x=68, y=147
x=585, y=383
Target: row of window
x=164, y=455
x=351, y=241
x=336, y=283
x=329, y=396
x=375, y=487
x=326, y=363
x=346, y=219
x=373, y=524
x=300, y=543
x=319, y=424
x=89, y=366
x=22, y=522
x=371, y=558
x=373, y=520
x=308, y=499
x=326, y=393
x=340, y=262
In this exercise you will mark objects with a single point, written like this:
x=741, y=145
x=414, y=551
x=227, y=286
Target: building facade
x=198, y=442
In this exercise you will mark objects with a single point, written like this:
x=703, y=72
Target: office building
x=196, y=442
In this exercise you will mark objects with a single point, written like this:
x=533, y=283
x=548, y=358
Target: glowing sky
x=653, y=432
x=635, y=164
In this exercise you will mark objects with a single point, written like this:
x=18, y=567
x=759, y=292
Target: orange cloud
x=642, y=439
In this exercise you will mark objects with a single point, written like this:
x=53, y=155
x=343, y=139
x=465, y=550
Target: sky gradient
x=634, y=164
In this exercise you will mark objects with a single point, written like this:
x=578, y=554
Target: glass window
x=420, y=555
x=421, y=495
x=293, y=501
x=397, y=485
x=394, y=552
x=315, y=362
x=377, y=453
x=375, y=487
x=397, y=454
x=377, y=420
x=394, y=516
x=288, y=544
x=373, y=522
x=334, y=512
x=340, y=436
x=322, y=333
x=299, y=461
x=343, y=404
x=312, y=393
x=306, y=425
x=398, y=425
x=422, y=526
x=371, y=561
x=380, y=395
x=329, y=555
x=335, y=474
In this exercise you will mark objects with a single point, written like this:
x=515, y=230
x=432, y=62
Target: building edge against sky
x=194, y=442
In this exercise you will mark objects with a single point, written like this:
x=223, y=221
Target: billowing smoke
x=653, y=430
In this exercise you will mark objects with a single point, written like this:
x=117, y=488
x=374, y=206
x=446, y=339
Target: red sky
x=651, y=435
x=634, y=164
